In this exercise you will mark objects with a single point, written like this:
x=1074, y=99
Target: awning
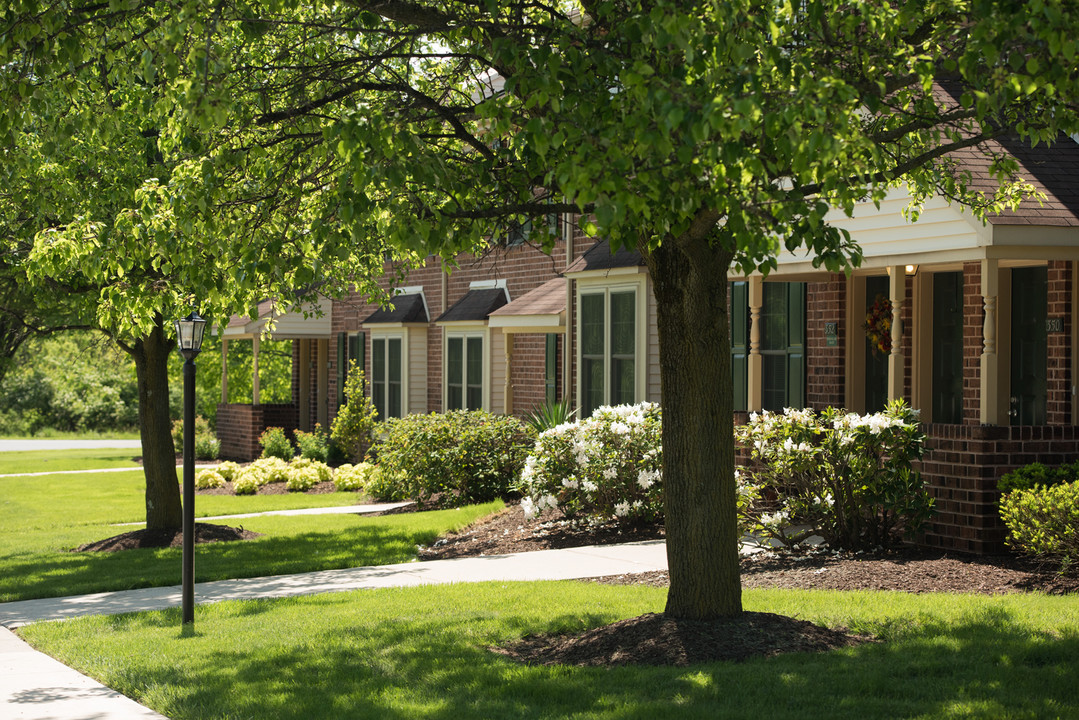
x=288, y=324
x=541, y=310
x=475, y=306
x=407, y=309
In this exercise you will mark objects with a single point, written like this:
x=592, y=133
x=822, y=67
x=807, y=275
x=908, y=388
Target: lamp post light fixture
x=189, y=332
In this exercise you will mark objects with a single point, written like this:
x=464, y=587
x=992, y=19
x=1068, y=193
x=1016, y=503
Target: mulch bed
x=655, y=639
x=204, y=533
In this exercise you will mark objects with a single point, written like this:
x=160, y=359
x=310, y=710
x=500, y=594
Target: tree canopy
x=709, y=136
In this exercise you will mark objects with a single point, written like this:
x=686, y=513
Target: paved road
x=32, y=444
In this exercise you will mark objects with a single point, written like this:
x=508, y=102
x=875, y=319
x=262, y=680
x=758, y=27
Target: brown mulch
x=275, y=488
x=204, y=533
x=660, y=640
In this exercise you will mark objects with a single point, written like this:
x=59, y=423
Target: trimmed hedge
x=1044, y=522
x=455, y=458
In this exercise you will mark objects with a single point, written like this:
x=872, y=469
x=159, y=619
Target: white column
x=897, y=291
x=755, y=364
x=507, y=340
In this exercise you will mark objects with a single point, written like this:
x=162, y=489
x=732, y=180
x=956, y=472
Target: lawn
x=42, y=518
x=38, y=461
x=422, y=653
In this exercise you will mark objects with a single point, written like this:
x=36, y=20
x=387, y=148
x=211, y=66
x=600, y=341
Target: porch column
x=989, y=378
x=755, y=365
x=255, y=370
x=224, y=371
x=507, y=339
x=897, y=290
x=304, y=399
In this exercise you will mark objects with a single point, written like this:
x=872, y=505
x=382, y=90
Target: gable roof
x=475, y=306
x=600, y=257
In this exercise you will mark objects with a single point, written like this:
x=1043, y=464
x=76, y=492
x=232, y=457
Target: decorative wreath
x=878, y=325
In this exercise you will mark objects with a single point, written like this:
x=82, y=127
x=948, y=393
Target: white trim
x=593, y=285
x=466, y=330
x=383, y=333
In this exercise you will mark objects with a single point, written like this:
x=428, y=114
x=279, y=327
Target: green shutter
x=739, y=315
x=796, y=345
x=550, y=375
x=342, y=366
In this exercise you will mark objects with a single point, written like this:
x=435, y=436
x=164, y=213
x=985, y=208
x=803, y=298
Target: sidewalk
x=35, y=687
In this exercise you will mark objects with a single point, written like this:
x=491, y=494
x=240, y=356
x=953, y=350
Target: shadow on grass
x=437, y=667
x=62, y=574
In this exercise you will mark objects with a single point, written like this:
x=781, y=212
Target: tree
x=706, y=135
x=99, y=209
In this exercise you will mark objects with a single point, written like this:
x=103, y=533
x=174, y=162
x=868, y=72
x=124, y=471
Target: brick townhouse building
x=983, y=341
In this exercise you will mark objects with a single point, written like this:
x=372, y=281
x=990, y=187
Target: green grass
x=38, y=461
x=54, y=434
x=42, y=518
x=421, y=653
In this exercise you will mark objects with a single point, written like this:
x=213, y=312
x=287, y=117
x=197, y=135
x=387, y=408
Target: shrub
x=314, y=445
x=206, y=479
x=459, y=457
x=248, y=481
x=1044, y=522
x=350, y=478
x=273, y=469
x=606, y=466
x=325, y=474
x=1028, y=476
x=207, y=447
x=275, y=444
x=202, y=432
x=848, y=477
x=551, y=415
x=228, y=470
x=302, y=478
x=351, y=429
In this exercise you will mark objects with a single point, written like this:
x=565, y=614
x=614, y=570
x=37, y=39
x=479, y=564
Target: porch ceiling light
x=912, y=269
x=189, y=332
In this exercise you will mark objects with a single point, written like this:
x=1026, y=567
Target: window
x=608, y=348
x=387, y=388
x=550, y=369
x=783, y=345
x=464, y=372
x=350, y=347
x=739, y=319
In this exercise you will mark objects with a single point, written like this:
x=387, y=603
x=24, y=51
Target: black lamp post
x=189, y=340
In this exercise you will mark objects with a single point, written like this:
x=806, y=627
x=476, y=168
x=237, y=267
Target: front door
x=947, y=347
x=1029, y=345
x=876, y=360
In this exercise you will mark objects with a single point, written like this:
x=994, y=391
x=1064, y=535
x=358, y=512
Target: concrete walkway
x=25, y=444
x=34, y=686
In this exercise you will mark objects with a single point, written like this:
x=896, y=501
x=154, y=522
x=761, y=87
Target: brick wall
x=1059, y=380
x=973, y=321
x=826, y=370
x=239, y=427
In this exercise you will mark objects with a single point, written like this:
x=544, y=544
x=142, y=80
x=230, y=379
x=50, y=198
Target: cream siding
x=653, y=386
x=496, y=379
x=417, y=371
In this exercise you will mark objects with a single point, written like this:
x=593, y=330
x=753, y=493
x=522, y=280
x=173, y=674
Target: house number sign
x=1054, y=325
x=831, y=338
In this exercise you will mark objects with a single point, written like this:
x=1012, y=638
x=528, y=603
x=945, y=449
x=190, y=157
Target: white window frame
x=465, y=332
x=395, y=334
x=606, y=286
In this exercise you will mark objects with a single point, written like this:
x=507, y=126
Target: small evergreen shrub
x=203, y=433
x=848, y=477
x=314, y=445
x=460, y=457
x=1028, y=476
x=354, y=478
x=1044, y=522
x=352, y=429
x=207, y=479
x=275, y=444
x=228, y=470
x=385, y=486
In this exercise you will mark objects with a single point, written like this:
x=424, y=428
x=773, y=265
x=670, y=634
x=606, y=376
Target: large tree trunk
x=690, y=281
x=151, y=354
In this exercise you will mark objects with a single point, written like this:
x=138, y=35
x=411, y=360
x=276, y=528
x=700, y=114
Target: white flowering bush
x=228, y=470
x=846, y=477
x=208, y=479
x=606, y=466
x=353, y=478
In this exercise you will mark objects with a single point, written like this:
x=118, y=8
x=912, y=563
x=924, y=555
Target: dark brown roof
x=600, y=257
x=1052, y=170
x=475, y=305
x=548, y=299
x=406, y=309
